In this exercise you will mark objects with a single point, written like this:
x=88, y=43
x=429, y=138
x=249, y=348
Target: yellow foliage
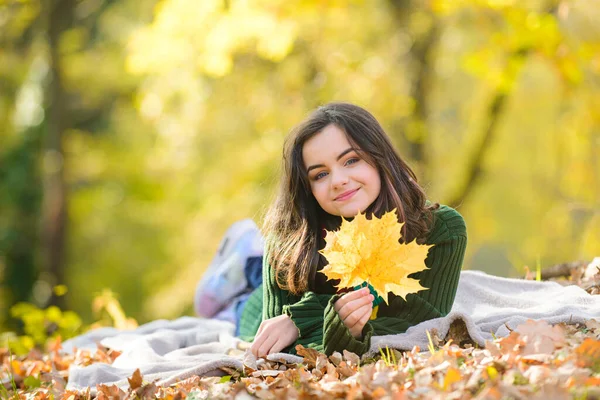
x=369, y=251
x=108, y=303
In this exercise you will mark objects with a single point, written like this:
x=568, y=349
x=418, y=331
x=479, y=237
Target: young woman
x=337, y=162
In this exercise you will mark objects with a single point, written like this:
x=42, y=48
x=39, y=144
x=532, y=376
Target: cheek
x=319, y=191
x=375, y=182
x=378, y=187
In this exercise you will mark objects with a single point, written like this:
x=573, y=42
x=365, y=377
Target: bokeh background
x=133, y=132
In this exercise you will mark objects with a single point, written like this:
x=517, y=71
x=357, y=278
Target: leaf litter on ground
x=536, y=361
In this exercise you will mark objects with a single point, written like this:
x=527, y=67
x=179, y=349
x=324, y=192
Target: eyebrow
x=342, y=154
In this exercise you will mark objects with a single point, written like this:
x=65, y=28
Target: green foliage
x=20, y=200
x=31, y=382
x=42, y=325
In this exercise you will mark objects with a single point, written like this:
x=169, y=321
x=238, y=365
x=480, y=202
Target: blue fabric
x=253, y=272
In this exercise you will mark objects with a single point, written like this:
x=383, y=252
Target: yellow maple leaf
x=369, y=251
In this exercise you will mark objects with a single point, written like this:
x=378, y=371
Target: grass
x=388, y=357
x=430, y=345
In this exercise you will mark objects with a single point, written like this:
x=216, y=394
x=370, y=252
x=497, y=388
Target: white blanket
x=168, y=351
x=490, y=305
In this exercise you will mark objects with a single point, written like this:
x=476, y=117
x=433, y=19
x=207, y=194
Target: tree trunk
x=473, y=170
x=414, y=130
x=54, y=221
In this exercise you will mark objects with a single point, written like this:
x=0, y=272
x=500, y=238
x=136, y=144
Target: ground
x=536, y=360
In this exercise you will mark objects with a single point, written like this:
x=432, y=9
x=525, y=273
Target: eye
x=352, y=160
x=320, y=175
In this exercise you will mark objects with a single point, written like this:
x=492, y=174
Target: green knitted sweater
x=320, y=326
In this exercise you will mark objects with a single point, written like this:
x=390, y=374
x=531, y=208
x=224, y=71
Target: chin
x=351, y=214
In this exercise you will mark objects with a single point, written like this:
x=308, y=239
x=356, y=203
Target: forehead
x=325, y=146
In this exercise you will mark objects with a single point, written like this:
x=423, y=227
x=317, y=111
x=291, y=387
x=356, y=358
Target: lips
x=346, y=195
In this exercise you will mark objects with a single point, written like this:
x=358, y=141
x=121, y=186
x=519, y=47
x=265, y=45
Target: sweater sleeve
x=307, y=312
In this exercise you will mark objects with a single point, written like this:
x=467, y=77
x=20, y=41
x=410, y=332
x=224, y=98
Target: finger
x=353, y=305
x=277, y=347
x=258, y=341
x=286, y=334
x=259, y=338
x=356, y=294
x=349, y=297
x=261, y=327
x=267, y=345
x=364, y=318
x=355, y=316
x=357, y=329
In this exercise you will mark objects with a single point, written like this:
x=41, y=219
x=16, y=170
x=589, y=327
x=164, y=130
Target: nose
x=338, y=178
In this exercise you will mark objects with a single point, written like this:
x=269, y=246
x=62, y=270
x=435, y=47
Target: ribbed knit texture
x=320, y=326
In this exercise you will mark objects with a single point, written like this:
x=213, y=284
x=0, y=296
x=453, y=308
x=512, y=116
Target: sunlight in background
x=177, y=111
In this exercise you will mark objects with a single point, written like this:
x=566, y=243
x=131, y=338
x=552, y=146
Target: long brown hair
x=294, y=222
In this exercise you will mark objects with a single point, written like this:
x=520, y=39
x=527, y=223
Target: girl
x=337, y=162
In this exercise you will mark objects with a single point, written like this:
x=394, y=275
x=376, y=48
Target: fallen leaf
x=588, y=354
x=336, y=358
x=310, y=356
x=109, y=392
x=593, y=325
x=452, y=376
x=593, y=381
x=344, y=370
x=249, y=360
x=352, y=359
x=537, y=374
x=146, y=391
x=540, y=337
x=136, y=380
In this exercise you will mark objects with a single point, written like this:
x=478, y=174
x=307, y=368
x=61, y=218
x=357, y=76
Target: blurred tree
x=20, y=149
x=20, y=196
x=58, y=115
x=407, y=61
x=48, y=104
x=175, y=113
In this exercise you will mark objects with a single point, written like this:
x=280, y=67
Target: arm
x=311, y=313
x=319, y=324
x=305, y=311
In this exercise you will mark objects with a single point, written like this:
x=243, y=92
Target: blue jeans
x=253, y=272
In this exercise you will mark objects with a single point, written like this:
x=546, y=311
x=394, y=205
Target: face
x=342, y=182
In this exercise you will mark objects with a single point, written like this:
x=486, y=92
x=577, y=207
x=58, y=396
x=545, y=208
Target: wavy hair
x=294, y=222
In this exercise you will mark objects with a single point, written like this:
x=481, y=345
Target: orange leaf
x=588, y=353
x=109, y=392
x=310, y=355
x=136, y=380
x=17, y=367
x=593, y=381
x=452, y=376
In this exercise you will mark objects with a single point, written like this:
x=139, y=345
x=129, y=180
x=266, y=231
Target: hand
x=274, y=335
x=355, y=308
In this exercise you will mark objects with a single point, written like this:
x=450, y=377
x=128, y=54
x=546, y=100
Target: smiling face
x=342, y=182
